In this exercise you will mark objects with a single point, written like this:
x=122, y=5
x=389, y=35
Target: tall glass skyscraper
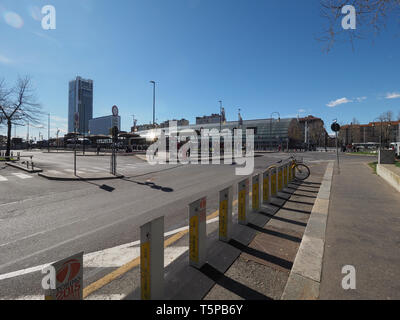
x=81, y=101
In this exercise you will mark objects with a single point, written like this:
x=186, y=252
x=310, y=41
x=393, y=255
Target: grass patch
x=364, y=153
x=4, y=159
x=373, y=166
x=397, y=164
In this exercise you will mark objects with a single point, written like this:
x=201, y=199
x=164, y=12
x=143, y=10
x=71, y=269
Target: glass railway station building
x=268, y=133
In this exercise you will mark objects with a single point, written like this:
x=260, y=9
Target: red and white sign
x=68, y=279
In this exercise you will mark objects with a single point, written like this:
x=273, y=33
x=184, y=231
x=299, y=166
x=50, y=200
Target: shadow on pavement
x=232, y=285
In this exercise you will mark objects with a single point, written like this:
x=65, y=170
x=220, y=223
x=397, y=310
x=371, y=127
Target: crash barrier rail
x=265, y=186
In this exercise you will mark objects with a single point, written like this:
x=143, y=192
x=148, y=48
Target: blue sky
x=259, y=55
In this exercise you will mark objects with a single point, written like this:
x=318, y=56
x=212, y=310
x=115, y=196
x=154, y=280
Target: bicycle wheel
x=301, y=172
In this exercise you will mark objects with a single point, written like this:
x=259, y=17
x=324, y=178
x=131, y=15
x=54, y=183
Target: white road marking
x=3, y=178
x=22, y=175
x=103, y=258
x=170, y=255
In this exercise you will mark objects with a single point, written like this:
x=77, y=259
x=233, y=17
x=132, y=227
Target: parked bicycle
x=301, y=171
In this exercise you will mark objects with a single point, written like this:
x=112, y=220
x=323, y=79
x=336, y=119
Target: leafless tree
x=371, y=18
x=18, y=105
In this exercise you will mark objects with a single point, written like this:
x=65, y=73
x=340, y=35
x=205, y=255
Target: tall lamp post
x=270, y=127
x=380, y=138
x=154, y=102
x=220, y=116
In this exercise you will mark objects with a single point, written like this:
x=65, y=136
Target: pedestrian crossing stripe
x=3, y=178
x=22, y=176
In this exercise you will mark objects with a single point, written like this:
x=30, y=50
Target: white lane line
x=170, y=255
x=54, y=171
x=22, y=176
x=102, y=258
x=3, y=178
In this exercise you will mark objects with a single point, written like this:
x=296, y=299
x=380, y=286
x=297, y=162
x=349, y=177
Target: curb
x=77, y=178
x=305, y=276
x=23, y=168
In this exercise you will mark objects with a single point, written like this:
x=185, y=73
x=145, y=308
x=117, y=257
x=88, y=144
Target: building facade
x=81, y=101
x=214, y=118
x=384, y=132
x=102, y=125
x=180, y=123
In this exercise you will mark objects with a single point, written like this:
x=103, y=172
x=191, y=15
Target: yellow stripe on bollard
x=273, y=184
x=255, y=197
x=223, y=214
x=194, y=239
x=266, y=187
x=145, y=271
x=242, y=205
x=280, y=186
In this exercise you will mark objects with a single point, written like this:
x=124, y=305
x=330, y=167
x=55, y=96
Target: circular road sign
x=335, y=127
x=115, y=111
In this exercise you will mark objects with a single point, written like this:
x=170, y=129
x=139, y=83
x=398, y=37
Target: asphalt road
x=42, y=221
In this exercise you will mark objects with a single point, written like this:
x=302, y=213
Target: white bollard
x=152, y=260
x=225, y=214
x=256, y=192
x=197, y=233
x=243, y=201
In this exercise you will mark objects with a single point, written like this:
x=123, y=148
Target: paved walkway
x=363, y=231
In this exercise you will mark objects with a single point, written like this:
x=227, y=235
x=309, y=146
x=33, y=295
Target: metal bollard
x=152, y=260
x=243, y=199
x=225, y=214
x=197, y=233
x=256, y=191
x=266, y=187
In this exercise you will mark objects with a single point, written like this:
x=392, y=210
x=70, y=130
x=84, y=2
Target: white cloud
x=361, y=99
x=301, y=111
x=393, y=95
x=5, y=60
x=337, y=102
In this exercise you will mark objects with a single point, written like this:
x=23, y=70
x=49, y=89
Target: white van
x=396, y=147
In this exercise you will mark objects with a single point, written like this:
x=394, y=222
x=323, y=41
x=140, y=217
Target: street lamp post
x=270, y=127
x=220, y=116
x=380, y=138
x=154, y=102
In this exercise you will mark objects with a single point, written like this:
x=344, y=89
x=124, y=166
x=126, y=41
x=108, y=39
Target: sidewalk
x=363, y=231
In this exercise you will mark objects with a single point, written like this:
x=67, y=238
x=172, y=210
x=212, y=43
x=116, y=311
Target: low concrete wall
x=390, y=173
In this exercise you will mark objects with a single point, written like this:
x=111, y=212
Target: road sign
x=335, y=127
x=115, y=111
x=68, y=279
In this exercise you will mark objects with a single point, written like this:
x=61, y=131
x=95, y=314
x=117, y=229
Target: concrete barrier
x=152, y=260
x=197, y=233
x=390, y=174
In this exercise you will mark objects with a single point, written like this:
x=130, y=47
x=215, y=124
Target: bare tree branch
x=371, y=16
x=18, y=105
